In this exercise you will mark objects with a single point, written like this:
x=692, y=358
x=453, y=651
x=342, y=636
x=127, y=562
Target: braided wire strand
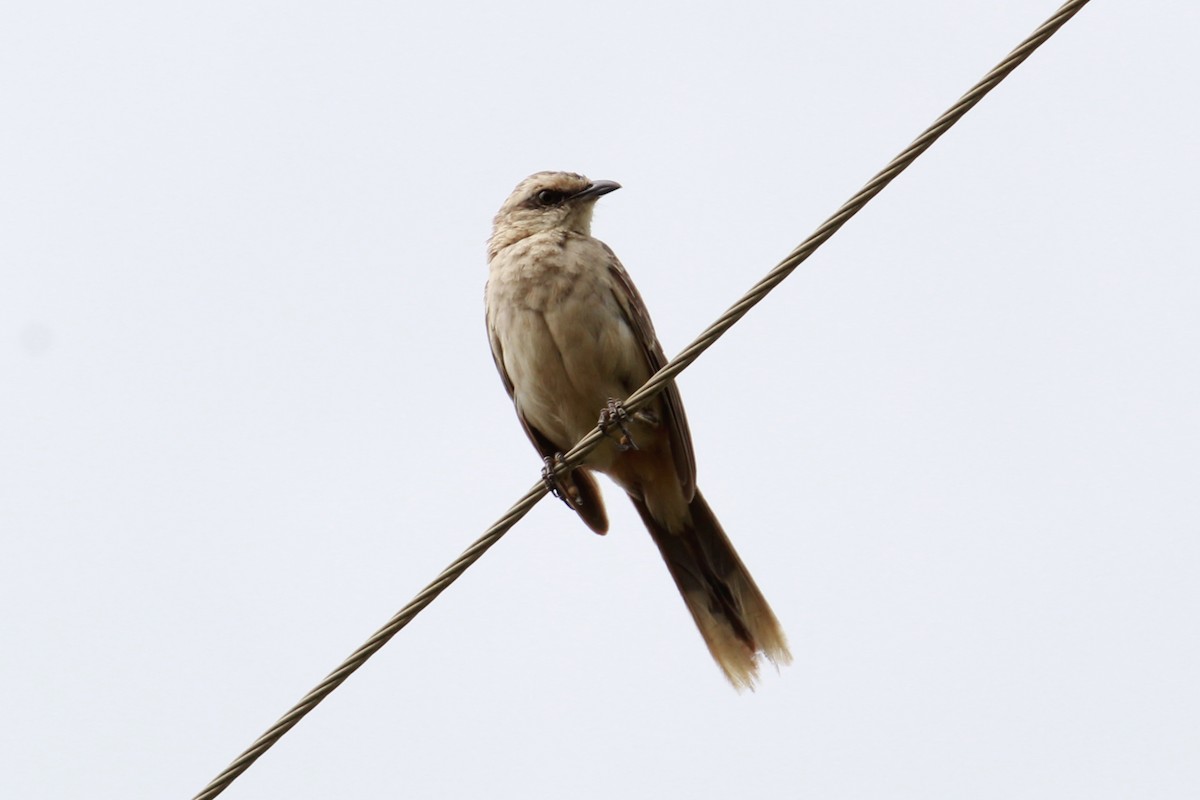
x=642, y=396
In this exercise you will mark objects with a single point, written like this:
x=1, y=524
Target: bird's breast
x=562, y=335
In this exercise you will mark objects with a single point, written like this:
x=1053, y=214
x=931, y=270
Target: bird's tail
x=730, y=611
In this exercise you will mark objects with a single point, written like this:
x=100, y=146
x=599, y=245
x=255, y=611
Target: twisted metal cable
x=642, y=396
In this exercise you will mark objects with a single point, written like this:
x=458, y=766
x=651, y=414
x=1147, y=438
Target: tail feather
x=733, y=616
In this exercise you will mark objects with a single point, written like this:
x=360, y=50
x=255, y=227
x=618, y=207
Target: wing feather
x=590, y=503
x=638, y=318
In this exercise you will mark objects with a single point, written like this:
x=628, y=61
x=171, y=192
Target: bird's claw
x=613, y=415
x=553, y=485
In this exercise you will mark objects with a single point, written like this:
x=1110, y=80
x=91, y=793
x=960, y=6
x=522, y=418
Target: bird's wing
x=544, y=446
x=638, y=319
x=589, y=503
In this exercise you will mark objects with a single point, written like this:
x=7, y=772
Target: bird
x=571, y=337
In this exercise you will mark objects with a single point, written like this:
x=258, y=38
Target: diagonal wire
x=643, y=395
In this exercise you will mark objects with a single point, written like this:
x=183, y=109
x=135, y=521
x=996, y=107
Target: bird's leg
x=553, y=484
x=613, y=415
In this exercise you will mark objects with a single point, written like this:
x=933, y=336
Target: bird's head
x=547, y=201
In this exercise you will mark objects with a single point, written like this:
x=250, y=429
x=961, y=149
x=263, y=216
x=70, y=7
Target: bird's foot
x=613, y=415
x=553, y=484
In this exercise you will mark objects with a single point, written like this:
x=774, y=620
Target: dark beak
x=596, y=189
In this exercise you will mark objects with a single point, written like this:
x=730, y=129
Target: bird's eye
x=549, y=197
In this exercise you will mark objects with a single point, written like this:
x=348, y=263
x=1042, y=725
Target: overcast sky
x=247, y=406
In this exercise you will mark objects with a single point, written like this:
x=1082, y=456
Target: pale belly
x=566, y=349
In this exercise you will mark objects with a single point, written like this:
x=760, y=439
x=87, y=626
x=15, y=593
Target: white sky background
x=247, y=407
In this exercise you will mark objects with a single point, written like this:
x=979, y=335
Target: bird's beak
x=596, y=189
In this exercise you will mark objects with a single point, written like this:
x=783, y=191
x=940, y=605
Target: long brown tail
x=730, y=611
